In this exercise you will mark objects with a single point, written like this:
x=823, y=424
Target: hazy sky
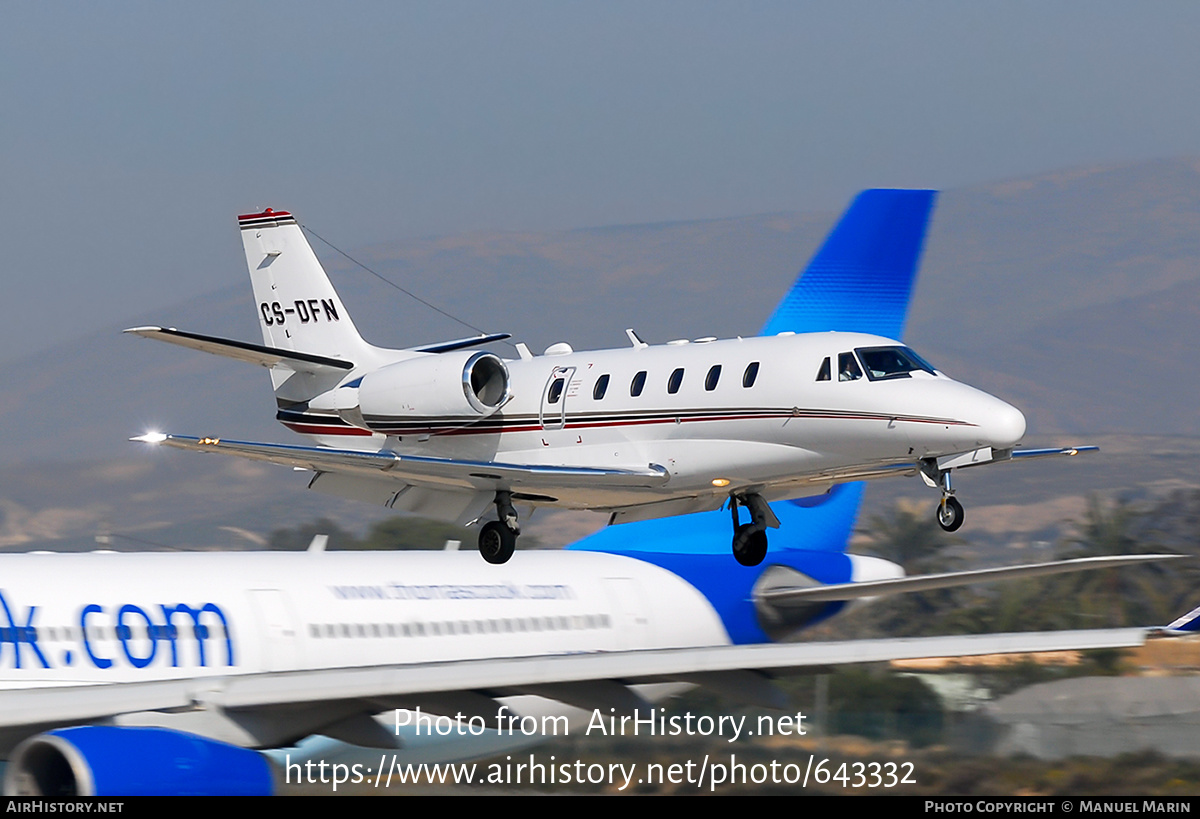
x=132, y=133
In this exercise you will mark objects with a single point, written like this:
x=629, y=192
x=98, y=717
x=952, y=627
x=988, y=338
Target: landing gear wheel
x=496, y=542
x=950, y=514
x=749, y=545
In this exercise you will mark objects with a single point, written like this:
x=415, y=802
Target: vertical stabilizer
x=861, y=279
x=296, y=304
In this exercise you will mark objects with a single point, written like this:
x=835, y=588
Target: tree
x=1135, y=595
x=910, y=536
x=298, y=539
x=415, y=533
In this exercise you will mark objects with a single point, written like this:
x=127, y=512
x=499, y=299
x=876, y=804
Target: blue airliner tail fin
x=861, y=279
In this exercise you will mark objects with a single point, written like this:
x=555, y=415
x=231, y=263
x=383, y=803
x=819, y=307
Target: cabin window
x=848, y=369
x=601, y=387
x=823, y=374
x=714, y=375
x=555, y=391
x=674, y=382
x=750, y=374
x=639, y=384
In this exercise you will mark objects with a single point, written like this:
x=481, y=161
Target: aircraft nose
x=1005, y=425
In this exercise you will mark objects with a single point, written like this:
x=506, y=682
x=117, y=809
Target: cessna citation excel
x=458, y=434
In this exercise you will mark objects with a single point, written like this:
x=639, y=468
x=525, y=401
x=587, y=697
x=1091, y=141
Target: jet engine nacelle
x=447, y=389
x=104, y=760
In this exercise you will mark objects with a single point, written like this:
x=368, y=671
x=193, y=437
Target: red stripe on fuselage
x=317, y=429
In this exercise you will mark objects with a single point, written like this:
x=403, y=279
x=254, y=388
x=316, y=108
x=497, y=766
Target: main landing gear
x=950, y=514
x=498, y=538
x=750, y=539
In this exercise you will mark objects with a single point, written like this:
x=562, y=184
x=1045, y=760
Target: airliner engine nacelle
x=449, y=390
x=105, y=760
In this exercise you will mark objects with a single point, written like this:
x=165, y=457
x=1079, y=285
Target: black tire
x=749, y=545
x=950, y=514
x=496, y=542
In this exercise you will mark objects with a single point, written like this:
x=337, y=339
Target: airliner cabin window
x=639, y=383
x=601, y=387
x=848, y=369
x=555, y=391
x=823, y=373
x=750, y=374
x=675, y=381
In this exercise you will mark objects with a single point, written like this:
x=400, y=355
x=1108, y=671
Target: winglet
x=861, y=279
x=1187, y=624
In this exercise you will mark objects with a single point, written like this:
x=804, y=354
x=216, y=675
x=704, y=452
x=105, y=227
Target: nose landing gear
x=950, y=514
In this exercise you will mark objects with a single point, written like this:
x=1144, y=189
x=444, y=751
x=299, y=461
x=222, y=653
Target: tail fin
x=861, y=279
x=296, y=303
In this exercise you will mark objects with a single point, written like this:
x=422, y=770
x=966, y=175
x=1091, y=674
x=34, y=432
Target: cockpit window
x=823, y=373
x=848, y=369
x=891, y=362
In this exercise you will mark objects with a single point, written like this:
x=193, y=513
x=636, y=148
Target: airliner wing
x=379, y=687
x=782, y=595
x=515, y=675
x=448, y=472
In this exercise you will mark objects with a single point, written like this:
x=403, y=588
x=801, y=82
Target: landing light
x=152, y=438
x=720, y=482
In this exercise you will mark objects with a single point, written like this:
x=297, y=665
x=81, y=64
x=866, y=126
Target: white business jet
x=458, y=434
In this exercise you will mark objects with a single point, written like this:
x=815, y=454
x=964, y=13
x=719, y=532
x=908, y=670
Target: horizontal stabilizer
x=783, y=595
x=244, y=351
x=461, y=343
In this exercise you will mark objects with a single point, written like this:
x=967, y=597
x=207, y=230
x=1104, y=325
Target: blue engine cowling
x=110, y=761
